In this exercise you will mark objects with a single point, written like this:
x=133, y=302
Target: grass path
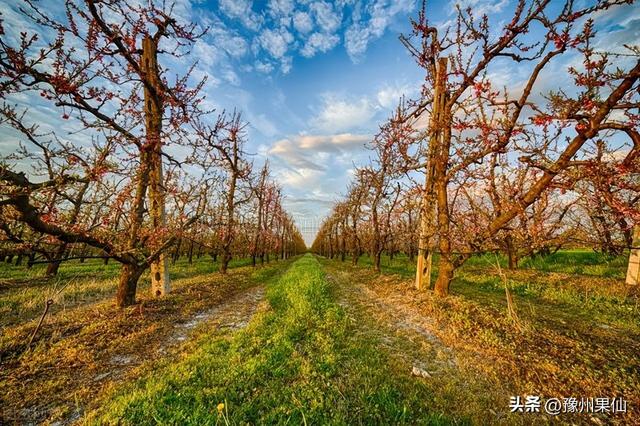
x=343, y=345
x=302, y=361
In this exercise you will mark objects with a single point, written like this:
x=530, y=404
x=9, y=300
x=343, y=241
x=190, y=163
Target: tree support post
x=633, y=270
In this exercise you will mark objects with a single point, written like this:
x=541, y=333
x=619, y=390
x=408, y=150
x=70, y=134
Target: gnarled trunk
x=129, y=276
x=54, y=265
x=445, y=275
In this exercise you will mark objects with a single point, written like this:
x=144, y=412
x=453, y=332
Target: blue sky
x=315, y=78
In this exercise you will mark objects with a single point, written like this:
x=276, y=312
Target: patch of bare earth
x=473, y=356
x=86, y=352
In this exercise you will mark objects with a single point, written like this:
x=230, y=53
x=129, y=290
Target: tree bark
x=126, y=294
x=160, y=283
x=191, y=252
x=427, y=218
x=54, y=265
x=446, y=264
x=511, y=253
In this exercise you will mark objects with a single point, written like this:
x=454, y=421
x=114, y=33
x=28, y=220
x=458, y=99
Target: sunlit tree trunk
x=160, y=283
x=427, y=218
x=126, y=294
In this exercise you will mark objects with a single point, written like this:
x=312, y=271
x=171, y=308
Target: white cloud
x=242, y=10
x=325, y=16
x=339, y=115
x=309, y=151
x=276, y=42
x=481, y=7
x=300, y=178
x=263, y=125
x=302, y=22
x=285, y=64
x=205, y=54
x=232, y=44
x=280, y=8
x=356, y=39
x=316, y=25
x=264, y=67
x=319, y=42
x=380, y=15
x=231, y=77
x=388, y=96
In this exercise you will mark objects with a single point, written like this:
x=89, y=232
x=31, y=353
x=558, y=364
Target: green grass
x=74, y=269
x=585, y=289
x=580, y=262
x=574, y=261
x=23, y=291
x=299, y=362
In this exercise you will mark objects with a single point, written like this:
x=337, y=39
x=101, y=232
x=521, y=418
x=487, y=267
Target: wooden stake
x=633, y=271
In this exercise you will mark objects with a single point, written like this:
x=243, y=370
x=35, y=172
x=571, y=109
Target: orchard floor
x=318, y=341
x=87, y=346
x=572, y=338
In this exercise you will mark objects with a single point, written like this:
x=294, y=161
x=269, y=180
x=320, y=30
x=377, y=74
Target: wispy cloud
x=371, y=24
x=338, y=114
x=305, y=152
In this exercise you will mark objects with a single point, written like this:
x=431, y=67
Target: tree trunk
x=231, y=193
x=445, y=275
x=446, y=265
x=511, y=254
x=343, y=243
x=32, y=258
x=176, y=253
x=52, y=268
x=191, y=253
x=160, y=283
x=54, y=265
x=427, y=213
x=330, y=244
x=224, y=265
x=376, y=260
x=129, y=276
